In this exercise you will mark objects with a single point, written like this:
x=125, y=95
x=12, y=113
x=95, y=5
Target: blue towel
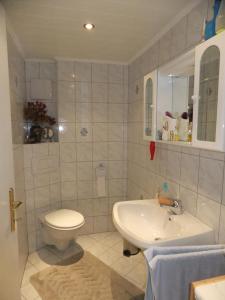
x=169, y=264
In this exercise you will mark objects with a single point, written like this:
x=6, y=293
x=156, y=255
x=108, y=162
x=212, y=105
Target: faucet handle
x=178, y=204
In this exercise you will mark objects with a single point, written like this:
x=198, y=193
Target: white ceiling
x=54, y=28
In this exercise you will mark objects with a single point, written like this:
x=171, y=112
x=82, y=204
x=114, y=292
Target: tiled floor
x=106, y=246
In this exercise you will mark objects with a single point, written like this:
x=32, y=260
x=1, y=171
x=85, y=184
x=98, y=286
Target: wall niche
x=40, y=107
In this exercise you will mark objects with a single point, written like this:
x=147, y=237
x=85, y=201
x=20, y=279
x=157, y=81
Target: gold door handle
x=17, y=204
x=13, y=205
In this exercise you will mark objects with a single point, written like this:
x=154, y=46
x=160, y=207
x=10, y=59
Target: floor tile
x=107, y=246
x=29, y=293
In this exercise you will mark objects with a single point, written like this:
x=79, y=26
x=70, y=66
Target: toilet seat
x=64, y=219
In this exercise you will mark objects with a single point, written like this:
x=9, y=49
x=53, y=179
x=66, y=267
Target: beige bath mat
x=83, y=278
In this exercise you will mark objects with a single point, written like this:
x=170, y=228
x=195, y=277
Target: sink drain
x=157, y=238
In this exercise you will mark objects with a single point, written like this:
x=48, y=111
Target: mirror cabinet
x=184, y=100
x=209, y=94
x=150, y=95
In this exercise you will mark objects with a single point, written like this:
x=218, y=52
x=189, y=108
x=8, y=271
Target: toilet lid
x=64, y=218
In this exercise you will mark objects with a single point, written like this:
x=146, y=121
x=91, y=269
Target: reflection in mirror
x=148, y=108
x=175, y=106
x=208, y=94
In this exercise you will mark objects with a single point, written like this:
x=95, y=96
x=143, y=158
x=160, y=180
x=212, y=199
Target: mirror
x=150, y=91
x=208, y=94
x=148, y=107
x=174, y=101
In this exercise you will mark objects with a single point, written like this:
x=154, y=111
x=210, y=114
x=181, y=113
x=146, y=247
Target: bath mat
x=83, y=277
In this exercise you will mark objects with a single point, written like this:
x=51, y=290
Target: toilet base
x=60, y=243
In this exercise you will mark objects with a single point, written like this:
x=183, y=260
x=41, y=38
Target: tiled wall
x=94, y=97
x=42, y=183
x=195, y=176
x=17, y=96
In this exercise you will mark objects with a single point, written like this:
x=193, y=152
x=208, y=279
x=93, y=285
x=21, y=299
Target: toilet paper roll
x=100, y=180
x=101, y=192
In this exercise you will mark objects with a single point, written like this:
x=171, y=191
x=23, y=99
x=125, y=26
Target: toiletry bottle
x=210, y=24
x=176, y=135
x=220, y=19
x=190, y=132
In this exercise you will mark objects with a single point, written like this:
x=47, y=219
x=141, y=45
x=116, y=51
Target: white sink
x=144, y=223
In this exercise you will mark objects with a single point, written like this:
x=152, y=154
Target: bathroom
x=76, y=144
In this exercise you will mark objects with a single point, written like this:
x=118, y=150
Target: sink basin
x=144, y=223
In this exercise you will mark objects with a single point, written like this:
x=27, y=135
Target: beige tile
x=109, y=257
x=29, y=293
x=211, y=178
x=138, y=275
x=83, y=71
x=99, y=72
x=124, y=265
x=29, y=271
x=65, y=70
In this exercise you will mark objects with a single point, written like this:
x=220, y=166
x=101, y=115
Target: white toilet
x=59, y=227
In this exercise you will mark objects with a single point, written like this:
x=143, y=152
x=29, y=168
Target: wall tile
x=85, y=189
x=66, y=112
x=100, y=112
x=68, y=171
x=116, y=112
x=189, y=200
x=68, y=132
x=83, y=71
x=99, y=73
x=84, y=171
x=67, y=152
x=84, y=151
x=100, y=151
x=116, y=93
x=195, y=24
x=189, y=171
x=83, y=112
x=48, y=70
x=208, y=211
x=99, y=92
x=83, y=92
x=165, y=48
x=32, y=70
x=65, y=70
x=66, y=91
x=68, y=191
x=222, y=226
x=115, y=73
x=211, y=178
x=179, y=37
x=42, y=197
x=174, y=166
x=100, y=132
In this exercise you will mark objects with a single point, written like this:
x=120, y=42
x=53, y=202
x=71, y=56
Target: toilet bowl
x=59, y=227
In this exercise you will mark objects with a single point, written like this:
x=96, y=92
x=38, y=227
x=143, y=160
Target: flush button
x=83, y=132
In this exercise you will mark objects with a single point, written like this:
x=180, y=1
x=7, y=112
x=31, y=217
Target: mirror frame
x=153, y=76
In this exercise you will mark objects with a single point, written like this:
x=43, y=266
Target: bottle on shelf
x=220, y=19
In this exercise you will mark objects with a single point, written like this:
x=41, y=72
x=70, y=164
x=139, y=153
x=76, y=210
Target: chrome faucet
x=176, y=207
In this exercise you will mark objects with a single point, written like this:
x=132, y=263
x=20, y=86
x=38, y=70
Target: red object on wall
x=152, y=150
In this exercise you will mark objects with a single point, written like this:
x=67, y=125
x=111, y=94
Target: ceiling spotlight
x=89, y=26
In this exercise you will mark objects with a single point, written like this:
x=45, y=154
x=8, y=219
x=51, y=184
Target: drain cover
x=157, y=238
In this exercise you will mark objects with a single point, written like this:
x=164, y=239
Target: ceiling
x=54, y=28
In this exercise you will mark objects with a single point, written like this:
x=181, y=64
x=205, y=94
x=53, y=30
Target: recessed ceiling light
x=89, y=26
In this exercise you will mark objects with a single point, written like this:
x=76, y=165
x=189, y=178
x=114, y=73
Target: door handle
x=17, y=204
x=13, y=205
